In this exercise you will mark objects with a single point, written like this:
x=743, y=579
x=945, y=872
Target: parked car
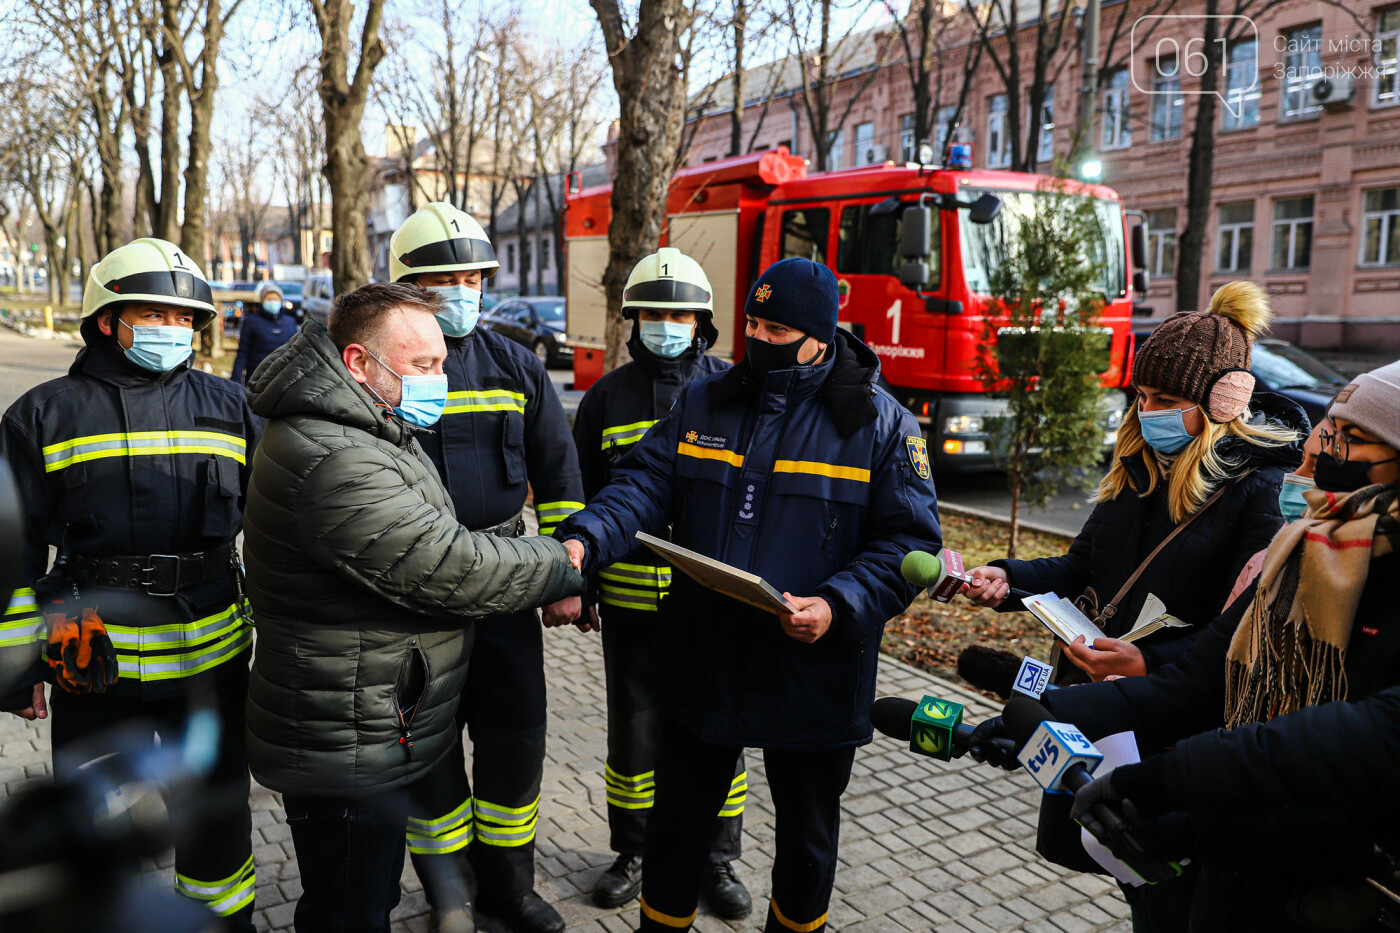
x=317, y=294
x=535, y=322
x=1279, y=366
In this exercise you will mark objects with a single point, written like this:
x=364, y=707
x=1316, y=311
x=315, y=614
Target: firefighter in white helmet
x=133, y=466
x=503, y=434
x=669, y=300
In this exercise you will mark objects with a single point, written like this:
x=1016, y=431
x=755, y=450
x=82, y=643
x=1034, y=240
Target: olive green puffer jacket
x=363, y=585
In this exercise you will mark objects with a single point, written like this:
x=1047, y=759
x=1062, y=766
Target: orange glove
x=81, y=654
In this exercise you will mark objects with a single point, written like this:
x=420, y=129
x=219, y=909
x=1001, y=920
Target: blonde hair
x=1199, y=466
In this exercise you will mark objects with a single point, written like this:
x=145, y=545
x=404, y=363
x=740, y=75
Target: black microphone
x=1001, y=672
x=894, y=717
x=1023, y=718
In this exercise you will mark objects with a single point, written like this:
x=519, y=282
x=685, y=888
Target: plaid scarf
x=1290, y=650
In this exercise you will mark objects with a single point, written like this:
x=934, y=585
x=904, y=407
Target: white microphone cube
x=1053, y=749
x=1033, y=677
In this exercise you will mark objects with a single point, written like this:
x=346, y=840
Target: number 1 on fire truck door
x=893, y=312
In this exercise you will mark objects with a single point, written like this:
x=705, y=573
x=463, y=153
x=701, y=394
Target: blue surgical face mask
x=273, y=306
x=159, y=347
x=1290, y=496
x=666, y=339
x=422, y=398
x=1164, y=431
x=463, y=309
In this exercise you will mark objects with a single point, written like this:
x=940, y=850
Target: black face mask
x=1333, y=475
x=765, y=358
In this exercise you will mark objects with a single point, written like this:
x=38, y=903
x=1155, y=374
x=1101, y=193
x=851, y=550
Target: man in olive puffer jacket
x=363, y=588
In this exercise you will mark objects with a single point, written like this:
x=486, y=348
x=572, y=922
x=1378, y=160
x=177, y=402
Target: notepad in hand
x=1062, y=618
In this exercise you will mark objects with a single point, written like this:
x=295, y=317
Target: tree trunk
x=1200, y=169
x=51, y=254
x=651, y=94
x=194, y=234
x=167, y=221
x=736, y=113
x=1015, y=533
x=343, y=103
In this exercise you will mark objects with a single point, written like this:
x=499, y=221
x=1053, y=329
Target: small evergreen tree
x=1047, y=257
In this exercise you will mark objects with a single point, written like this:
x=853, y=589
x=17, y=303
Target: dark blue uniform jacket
x=817, y=481
x=259, y=336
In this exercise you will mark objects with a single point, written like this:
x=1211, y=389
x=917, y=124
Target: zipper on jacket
x=830, y=530
x=414, y=674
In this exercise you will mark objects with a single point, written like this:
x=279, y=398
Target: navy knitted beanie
x=799, y=293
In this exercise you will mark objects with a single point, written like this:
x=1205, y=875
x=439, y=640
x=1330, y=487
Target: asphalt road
x=25, y=362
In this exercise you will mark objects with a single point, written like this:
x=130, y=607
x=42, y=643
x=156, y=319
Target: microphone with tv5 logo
x=932, y=727
x=1062, y=760
x=942, y=574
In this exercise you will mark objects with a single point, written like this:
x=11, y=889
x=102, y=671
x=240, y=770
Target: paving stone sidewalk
x=924, y=845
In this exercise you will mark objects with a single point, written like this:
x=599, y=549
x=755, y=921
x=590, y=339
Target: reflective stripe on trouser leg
x=450, y=832
x=225, y=896
x=693, y=779
x=507, y=827
x=738, y=794
x=806, y=788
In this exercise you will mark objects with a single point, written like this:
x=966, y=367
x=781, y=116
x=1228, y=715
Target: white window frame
x=1116, y=113
x=940, y=128
x=1387, y=68
x=1233, y=230
x=863, y=145
x=1157, y=240
x=1234, y=72
x=906, y=138
x=1167, y=102
x=998, y=143
x=1388, y=219
x=510, y=259
x=1302, y=68
x=1289, y=227
x=1045, y=140
x=837, y=153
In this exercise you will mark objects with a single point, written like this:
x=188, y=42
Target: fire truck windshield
x=984, y=246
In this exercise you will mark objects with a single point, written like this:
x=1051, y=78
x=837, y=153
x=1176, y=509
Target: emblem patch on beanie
x=918, y=454
x=763, y=293
x=1343, y=395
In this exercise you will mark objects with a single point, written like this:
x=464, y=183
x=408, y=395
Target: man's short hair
x=358, y=316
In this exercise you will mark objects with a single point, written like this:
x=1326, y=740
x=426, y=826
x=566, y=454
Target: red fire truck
x=908, y=244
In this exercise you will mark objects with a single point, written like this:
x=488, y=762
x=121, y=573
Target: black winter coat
x=259, y=336
x=1279, y=807
x=1194, y=574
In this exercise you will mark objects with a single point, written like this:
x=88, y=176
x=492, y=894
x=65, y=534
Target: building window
x=1241, y=87
x=1293, y=221
x=1117, y=128
x=1235, y=233
x=836, y=155
x=906, y=138
x=1045, y=142
x=1302, y=66
x=804, y=233
x=1387, y=46
x=545, y=250
x=1166, y=101
x=998, y=142
x=784, y=144
x=940, y=129
x=1161, y=242
x=865, y=144
x=510, y=258
x=1380, y=226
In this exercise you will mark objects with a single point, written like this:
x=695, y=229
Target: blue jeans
x=350, y=853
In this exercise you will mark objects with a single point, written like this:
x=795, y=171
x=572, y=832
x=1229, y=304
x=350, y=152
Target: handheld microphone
x=1003, y=672
x=932, y=727
x=942, y=574
x=1062, y=760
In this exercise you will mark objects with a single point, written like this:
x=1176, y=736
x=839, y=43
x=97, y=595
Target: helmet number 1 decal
x=893, y=311
x=454, y=225
x=665, y=269
x=178, y=261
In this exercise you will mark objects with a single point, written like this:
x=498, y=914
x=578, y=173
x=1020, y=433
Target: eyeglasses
x=1339, y=444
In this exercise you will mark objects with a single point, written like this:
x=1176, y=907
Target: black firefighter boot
x=725, y=893
x=620, y=883
x=528, y=914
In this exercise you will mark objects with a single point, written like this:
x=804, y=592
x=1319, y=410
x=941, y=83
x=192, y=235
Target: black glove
x=1161, y=833
x=989, y=743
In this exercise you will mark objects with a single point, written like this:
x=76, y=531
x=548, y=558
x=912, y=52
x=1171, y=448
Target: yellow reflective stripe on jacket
x=143, y=443
x=633, y=586
x=629, y=792
x=506, y=826
x=463, y=402
x=623, y=434
x=738, y=796
x=179, y=635
x=22, y=622
x=225, y=897
x=441, y=836
x=148, y=667
x=710, y=453
x=858, y=474
x=551, y=514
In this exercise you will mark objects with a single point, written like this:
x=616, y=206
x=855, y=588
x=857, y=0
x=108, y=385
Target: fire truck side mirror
x=1141, y=279
x=985, y=209
x=1139, y=242
x=915, y=225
